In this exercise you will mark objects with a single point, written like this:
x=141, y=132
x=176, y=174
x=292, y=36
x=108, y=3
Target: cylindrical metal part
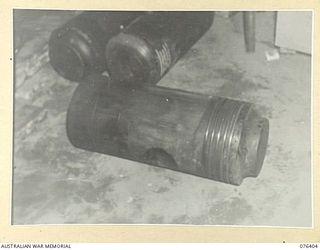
x=211, y=137
x=144, y=51
x=77, y=48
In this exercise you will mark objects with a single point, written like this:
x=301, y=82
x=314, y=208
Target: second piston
x=145, y=50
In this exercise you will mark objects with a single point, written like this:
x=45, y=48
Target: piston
x=77, y=48
x=212, y=137
x=147, y=48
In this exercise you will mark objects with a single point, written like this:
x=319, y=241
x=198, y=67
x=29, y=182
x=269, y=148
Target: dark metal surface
x=211, y=137
x=145, y=50
x=77, y=48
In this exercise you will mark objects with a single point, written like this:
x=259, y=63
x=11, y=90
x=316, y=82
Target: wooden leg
x=249, y=27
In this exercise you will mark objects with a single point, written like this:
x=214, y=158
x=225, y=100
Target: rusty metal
x=212, y=137
x=147, y=48
x=77, y=49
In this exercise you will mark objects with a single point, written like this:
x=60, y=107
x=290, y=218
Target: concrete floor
x=53, y=182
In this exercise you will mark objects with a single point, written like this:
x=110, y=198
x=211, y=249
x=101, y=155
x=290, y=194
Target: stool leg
x=249, y=27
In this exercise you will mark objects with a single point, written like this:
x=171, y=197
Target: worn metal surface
x=144, y=51
x=212, y=137
x=76, y=49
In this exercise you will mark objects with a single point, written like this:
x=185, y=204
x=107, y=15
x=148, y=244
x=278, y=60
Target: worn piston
x=212, y=137
x=76, y=49
x=147, y=48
